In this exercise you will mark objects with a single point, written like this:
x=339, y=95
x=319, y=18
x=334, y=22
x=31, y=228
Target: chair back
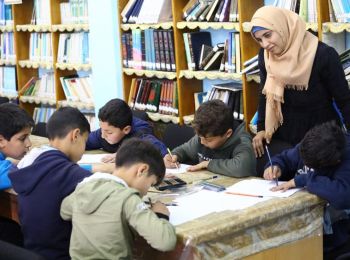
x=175, y=135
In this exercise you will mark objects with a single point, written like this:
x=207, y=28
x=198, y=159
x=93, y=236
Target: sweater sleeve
x=5, y=167
x=336, y=189
x=159, y=233
x=66, y=208
x=187, y=151
x=337, y=84
x=262, y=100
x=242, y=163
x=157, y=143
x=94, y=140
x=288, y=161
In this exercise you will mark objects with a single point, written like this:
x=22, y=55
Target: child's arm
x=159, y=233
x=94, y=140
x=5, y=167
x=152, y=139
x=66, y=208
x=187, y=151
x=335, y=189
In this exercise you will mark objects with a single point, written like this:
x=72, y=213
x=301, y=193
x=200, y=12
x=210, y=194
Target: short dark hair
x=13, y=119
x=116, y=112
x=64, y=120
x=323, y=145
x=212, y=118
x=135, y=150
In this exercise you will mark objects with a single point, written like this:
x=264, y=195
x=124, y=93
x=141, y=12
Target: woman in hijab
x=300, y=78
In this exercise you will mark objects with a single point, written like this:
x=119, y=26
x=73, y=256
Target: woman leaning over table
x=300, y=78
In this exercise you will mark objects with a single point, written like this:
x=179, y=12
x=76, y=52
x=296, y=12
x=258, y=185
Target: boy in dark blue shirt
x=118, y=124
x=45, y=177
x=15, y=128
x=321, y=164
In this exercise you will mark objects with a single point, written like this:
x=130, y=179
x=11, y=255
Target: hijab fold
x=289, y=69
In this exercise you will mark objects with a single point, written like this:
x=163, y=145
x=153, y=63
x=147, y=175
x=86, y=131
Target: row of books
x=42, y=114
x=251, y=66
x=73, y=48
x=41, y=12
x=5, y=13
x=8, y=81
x=40, y=47
x=7, y=50
x=231, y=94
x=43, y=87
x=307, y=9
x=75, y=11
x=211, y=11
x=77, y=89
x=201, y=55
x=148, y=49
x=154, y=96
x=339, y=11
x=147, y=11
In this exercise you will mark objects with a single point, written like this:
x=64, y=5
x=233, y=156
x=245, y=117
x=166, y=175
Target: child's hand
x=198, y=167
x=103, y=167
x=110, y=158
x=170, y=161
x=159, y=207
x=285, y=186
x=271, y=175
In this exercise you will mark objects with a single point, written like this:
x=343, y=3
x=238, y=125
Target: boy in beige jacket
x=107, y=209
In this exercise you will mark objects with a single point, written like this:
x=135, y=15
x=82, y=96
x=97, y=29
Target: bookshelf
x=53, y=27
x=190, y=82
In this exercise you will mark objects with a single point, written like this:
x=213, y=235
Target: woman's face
x=270, y=41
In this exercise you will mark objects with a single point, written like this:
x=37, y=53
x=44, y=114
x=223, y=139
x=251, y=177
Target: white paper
x=260, y=188
x=205, y=202
x=182, y=169
x=92, y=158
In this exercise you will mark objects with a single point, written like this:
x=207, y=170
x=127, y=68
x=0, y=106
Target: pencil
x=171, y=155
x=268, y=155
x=243, y=194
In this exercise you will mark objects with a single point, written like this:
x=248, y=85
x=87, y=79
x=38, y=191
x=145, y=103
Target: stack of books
x=345, y=60
x=307, y=9
x=154, y=96
x=75, y=11
x=39, y=88
x=5, y=13
x=40, y=47
x=149, y=49
x=147, y=11
x=73, y=48
x=339, y=11
x=41, y=12
x=77, y=89
x=251, y=66
x=42, y=114
x=8, y=82
x=211, y=11
x=7, y=50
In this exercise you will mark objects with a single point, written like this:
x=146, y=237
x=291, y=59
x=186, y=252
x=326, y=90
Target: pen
x=268, y=155
x=244, y=194
x=171, y=155
x=171, y=204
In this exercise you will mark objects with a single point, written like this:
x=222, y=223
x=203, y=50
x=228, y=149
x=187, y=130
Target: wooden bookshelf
x=26, y=69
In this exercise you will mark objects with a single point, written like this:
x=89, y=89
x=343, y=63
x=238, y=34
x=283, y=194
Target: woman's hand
x=258, y=143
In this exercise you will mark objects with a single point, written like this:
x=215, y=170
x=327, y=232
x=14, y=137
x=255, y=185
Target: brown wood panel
x=55, y=11
x=322, y=15
x=22, y=13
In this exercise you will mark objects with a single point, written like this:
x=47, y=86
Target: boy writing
x=15, y=128
x=118, y=124
x=45, y=177
x=216, y=145
x=321, y=164
x=105, y=209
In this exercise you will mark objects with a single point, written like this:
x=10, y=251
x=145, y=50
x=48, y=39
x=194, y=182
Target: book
x=215, y=61
x=206, y=59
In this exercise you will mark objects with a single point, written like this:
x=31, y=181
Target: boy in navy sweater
x=45, y=177
x=321, y=164
x=15, y=128
x=118, y=124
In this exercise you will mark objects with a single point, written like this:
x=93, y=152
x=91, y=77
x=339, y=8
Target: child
x=118, y=124
x=15, y=128
x=46, y=175
x=216, y=145
x=106, y=208
x=321, y=164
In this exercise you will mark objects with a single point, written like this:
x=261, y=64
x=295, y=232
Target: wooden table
x=280, y=228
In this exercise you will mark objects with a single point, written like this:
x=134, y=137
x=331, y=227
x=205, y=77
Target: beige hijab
x=291, y=68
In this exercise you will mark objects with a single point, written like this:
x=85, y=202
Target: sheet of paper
x=182, y=169
x=261, y=188
x=92, y=158
x=205, y=202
